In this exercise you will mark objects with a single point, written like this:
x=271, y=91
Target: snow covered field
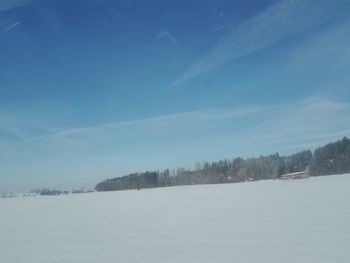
x=267, y=221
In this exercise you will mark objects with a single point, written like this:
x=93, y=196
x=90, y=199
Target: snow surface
x=268, y=221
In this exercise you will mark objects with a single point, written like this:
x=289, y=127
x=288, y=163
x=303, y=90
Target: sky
x=91, y=90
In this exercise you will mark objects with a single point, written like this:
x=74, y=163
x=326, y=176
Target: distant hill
x=333, y=158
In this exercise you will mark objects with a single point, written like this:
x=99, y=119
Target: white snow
x=268, y=221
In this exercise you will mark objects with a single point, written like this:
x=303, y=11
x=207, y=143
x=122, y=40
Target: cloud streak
x=12, y=130
x=279, y=21
x=8, y=28
x=300, y=125
x=10, y=4
x=273, y=126
x=9, y=128
x=166, y=35
x=164, y=120
x=303, y=121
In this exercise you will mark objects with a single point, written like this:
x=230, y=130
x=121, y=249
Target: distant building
x=241, y=176
x=297, y=175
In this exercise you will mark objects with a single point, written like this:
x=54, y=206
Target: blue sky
x=96, y=89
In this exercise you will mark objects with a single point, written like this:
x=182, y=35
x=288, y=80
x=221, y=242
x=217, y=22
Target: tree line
x=333, y=158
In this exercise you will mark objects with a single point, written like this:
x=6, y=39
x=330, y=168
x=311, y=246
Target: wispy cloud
x=171, y=119
x=270, y=127
x=137, y=24
x=290, y=124
x=281, y=20
x=8, y=126
x=303, y=124
x=21, y=129
x=12, y=130
x=114, y=11
x=167, y=36
x=328, y=51
x=8, y=28
x=10, y=4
